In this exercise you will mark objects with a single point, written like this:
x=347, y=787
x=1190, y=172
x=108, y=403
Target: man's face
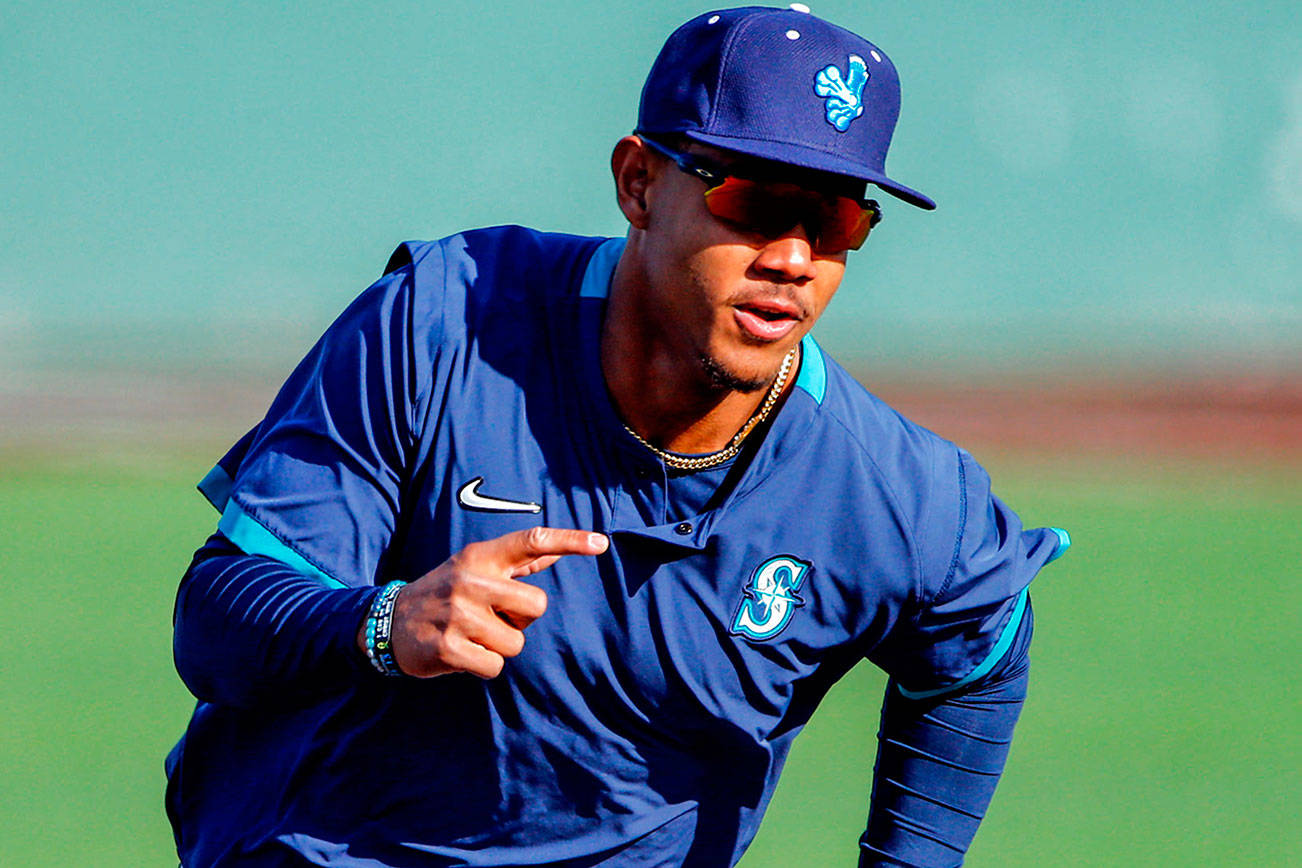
x=735, y=300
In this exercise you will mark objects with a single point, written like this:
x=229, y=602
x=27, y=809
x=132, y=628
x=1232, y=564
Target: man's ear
x=631, y=164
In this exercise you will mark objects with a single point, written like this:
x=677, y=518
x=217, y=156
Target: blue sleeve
x=977, y=564
x=250, y=630
x=320, y=479
x=958, y=665
x=938, y=761
x=309, y=502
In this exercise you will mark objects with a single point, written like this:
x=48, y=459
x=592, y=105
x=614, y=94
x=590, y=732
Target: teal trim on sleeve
x=813, y=370
x=216, y=487
x=601, y=268
x=1064, y=543
x=996, y=654
x=253, y=539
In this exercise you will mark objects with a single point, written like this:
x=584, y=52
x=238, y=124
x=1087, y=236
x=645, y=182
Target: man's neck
x=665, y=398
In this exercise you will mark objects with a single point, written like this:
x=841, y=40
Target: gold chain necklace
x=714, y=459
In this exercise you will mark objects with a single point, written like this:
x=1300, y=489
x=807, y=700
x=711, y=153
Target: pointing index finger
x=522, y=548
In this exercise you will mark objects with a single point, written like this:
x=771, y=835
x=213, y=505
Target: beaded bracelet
x=379, y=623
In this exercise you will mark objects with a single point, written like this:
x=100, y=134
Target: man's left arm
x=958, y=664
x=938, y=762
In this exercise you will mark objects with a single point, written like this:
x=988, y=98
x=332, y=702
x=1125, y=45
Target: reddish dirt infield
x=1230, y=419
x=1226, y=419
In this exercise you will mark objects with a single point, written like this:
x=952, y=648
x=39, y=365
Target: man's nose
x=788, y=258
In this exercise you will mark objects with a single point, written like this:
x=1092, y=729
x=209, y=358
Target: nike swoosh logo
x=470, y=498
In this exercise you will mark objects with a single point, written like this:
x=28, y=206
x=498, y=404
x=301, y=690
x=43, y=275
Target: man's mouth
x=766, y=320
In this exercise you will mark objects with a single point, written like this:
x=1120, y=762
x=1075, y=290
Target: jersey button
x=683, y=528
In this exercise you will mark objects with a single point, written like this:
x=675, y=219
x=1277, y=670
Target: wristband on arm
x=379, y=627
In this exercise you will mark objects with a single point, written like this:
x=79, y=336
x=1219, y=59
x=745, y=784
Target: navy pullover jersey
x=649, y=715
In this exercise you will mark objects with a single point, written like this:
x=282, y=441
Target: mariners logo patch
x=842, y=92
x=770, y=598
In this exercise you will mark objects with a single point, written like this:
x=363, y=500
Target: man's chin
x=729, y=378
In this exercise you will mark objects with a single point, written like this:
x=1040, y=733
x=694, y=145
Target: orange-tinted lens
x=832, y=223
x=847, y=227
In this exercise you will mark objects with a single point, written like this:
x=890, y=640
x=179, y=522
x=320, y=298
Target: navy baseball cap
x=782, y=85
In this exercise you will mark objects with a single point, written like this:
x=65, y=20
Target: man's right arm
x=250, y=630
x=269, y=606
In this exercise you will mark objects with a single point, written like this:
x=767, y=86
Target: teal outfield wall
x=208, y=184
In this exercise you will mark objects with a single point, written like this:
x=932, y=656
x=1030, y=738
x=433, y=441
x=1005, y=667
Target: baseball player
x=551, y=545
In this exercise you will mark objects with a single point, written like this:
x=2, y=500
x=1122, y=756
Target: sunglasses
x=833, y=223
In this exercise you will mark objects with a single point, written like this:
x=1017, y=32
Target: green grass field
x=1163, y=726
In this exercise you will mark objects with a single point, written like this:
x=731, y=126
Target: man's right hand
x=468, y=614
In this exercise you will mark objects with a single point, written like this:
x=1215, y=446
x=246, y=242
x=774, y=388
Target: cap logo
x=842, y=92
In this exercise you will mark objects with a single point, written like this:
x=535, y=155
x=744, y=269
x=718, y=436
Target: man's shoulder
x=490, y=280
x=514, y=257
x=914, y=464
x=871, y=424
